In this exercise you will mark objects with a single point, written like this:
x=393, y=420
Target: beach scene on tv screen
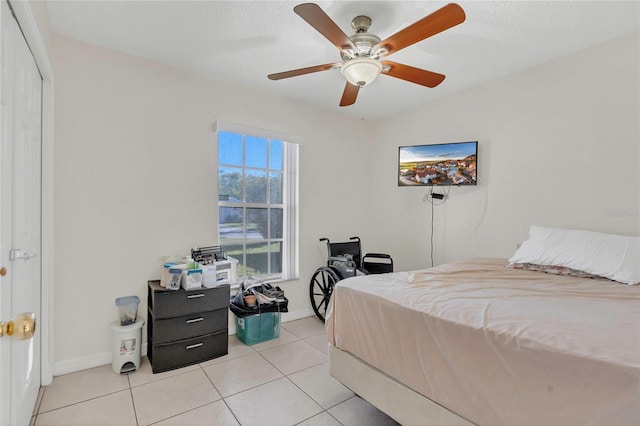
x=442, y=164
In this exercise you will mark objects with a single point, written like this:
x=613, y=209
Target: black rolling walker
x=345, y=260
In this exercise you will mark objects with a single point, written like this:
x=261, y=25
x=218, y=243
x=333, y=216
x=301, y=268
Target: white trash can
x=127, y=340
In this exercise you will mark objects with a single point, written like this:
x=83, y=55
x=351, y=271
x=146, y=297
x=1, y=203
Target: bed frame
x=404, y=405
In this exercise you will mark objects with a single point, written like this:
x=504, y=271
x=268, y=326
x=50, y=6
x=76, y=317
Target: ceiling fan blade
x=440, y=20
x=413, y=74
x=349, y=95
x=302, y=71
x=315, y=16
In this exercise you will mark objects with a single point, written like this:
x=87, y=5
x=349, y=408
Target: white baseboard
x=104, y=358
x=295, y=315
x=87, y=362
x=81, y=363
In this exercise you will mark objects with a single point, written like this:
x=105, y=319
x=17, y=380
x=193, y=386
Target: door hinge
x=15, y=254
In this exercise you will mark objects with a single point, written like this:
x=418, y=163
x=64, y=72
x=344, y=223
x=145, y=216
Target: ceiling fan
x=362, y=51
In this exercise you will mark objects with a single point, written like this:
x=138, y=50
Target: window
x=258, y=201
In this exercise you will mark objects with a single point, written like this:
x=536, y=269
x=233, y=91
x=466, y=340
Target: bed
x=477, y=342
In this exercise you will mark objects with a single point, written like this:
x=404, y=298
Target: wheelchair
x=345, y=260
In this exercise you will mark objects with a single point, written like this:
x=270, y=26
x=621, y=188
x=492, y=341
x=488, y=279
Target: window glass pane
x=256, y=186
x=275, y=181
x=256, y=152
x=230, y=148
x=254, y=194
x=230, y=184
x=235, y=251
x=257, y=225
x=276, y=223
x=276, y=258
x=230, y=219
x=275, y=154
x=257, y=258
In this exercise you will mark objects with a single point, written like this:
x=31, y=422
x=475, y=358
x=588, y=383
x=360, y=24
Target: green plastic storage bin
x=258, y=328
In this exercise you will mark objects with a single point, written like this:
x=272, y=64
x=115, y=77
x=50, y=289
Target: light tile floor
x=283, y=381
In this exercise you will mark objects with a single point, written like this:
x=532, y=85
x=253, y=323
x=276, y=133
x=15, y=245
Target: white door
x=20, y=219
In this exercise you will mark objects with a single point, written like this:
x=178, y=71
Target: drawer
x=179, y=354
x=172, y=329
x=177, y=303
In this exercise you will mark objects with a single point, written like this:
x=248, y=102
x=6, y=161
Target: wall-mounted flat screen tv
x=445, y=164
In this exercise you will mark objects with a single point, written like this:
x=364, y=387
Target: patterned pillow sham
x=556, y=270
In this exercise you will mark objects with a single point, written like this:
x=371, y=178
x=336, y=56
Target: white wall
x=559, y=146
x=135, y=180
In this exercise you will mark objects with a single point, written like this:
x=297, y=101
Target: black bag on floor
x=268, y=299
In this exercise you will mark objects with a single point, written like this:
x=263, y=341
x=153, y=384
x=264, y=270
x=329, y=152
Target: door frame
x=29, y=26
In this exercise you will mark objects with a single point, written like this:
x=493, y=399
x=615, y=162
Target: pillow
x=616, y=257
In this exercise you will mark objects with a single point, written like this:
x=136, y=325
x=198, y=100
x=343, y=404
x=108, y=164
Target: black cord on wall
x=430, y=197
x=431, y=234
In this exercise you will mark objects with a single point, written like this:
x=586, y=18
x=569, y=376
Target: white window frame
x=290, y=198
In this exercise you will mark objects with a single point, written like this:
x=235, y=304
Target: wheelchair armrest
x=378, y=255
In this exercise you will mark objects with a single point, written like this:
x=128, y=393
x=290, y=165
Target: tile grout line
x=34, y=416
x=190, y=409
x=278, y=378
x=324, y=410
x=298, y=338
x=222, y=398
x=83, y=401
x=131, y=387
x=294, y=383
x=317, y=402
x=184, y=412
x=133, y=401
x=164, y=378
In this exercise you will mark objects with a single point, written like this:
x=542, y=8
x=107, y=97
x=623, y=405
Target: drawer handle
x=195, y=296
x=197, y=345
x=191, y=321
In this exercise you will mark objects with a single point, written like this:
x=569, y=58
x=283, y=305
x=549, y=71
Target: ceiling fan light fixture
x=361, y=71
x=361, y=53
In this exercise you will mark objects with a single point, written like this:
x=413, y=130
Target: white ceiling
x=243, y=41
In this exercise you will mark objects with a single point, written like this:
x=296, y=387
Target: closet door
x=20, y=223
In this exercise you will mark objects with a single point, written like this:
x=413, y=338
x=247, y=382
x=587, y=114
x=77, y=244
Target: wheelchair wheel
x=320, y=289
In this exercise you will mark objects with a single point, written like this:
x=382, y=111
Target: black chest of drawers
x=186, y=327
